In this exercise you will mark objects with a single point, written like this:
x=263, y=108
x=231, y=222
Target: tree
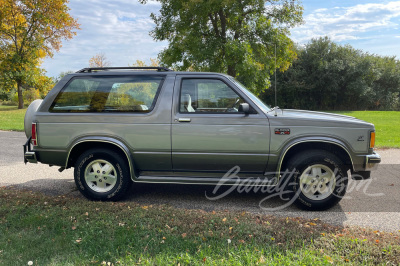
x=29, y=31
x=231, y=36
x=31, y=94
x=383, y=79
x=99, y=60
x=328, y=76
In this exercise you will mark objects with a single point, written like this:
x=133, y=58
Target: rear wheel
x=319, y=180
x=102, y=174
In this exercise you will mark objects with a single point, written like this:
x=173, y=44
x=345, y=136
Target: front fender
x=310, y=139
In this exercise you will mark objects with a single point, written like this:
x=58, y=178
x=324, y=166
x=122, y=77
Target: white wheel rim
x=317, y=182
x=100, y=176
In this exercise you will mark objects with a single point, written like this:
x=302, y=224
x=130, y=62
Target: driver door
x=209, y=134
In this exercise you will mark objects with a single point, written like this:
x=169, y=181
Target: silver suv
x=116, y=126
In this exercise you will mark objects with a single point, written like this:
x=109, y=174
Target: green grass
x=12, y=118
x=69, y=231
x=387, y=125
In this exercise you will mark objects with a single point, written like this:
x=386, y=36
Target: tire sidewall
x=120, y=167
x=324, y=158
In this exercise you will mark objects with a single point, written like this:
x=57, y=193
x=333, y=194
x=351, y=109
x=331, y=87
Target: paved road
x=374, y=203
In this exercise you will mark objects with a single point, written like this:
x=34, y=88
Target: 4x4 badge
x=360, y=138
x=282, y=131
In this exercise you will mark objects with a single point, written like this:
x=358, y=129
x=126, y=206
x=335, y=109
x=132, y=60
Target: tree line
x=329, y=76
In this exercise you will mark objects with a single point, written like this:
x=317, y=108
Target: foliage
x=228, y=36
x=41, y=82
x=99, y=60
x=33, y=90
x=29, y=31
x=3, y=96
x=328, y=76
x=31, y=94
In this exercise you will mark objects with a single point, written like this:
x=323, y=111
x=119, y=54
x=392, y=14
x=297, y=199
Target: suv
x=116, y=126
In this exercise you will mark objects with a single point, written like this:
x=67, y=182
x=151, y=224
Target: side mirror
x=244, y=108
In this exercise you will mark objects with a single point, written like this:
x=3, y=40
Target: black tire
x=303, y=166
x=111, y=180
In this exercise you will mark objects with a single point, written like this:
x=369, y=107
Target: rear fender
x=115, y=142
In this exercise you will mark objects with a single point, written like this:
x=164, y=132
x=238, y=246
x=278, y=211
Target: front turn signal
x=372, y=140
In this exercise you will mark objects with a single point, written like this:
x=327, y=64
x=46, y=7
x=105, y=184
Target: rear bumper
x=29, y=155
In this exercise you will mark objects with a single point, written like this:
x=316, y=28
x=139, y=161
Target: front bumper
x=372, y=161
x=29, y=155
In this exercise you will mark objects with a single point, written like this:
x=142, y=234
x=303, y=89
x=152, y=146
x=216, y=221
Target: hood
x=304, y=116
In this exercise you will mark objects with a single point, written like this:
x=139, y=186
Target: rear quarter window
x=108, y=94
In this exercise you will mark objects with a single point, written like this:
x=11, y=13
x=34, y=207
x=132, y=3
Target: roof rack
x=90, y=69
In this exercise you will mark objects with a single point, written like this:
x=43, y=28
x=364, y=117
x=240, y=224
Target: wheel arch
x=84, y=144
x=333, y=146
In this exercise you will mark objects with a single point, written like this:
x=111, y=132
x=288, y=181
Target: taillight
x=372, y=140
x=34, y=135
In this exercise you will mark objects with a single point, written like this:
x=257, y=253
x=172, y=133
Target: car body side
x=157, y=144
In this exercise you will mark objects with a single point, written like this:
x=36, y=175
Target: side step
x=244, y=181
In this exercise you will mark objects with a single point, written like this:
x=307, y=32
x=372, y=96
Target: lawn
x=70, y=231
x=11, y=118
x=387, y=125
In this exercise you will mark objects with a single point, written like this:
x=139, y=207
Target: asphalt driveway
x=371, y=203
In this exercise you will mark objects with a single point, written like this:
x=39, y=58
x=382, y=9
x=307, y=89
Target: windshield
x=254, y=98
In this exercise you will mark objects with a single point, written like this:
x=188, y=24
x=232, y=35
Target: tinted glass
x=108, y=94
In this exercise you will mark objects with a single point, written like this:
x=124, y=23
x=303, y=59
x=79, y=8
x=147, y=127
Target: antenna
x=276, y=104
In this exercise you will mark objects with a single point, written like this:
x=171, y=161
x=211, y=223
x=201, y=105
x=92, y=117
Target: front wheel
x=102, y=174
x=319, y=181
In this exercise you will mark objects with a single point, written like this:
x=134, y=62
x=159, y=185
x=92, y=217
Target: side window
x=132, y=96
x=108, y=94
x=208, y=95
x=77, y=96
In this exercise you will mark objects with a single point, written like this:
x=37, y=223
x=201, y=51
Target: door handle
x=184, y=120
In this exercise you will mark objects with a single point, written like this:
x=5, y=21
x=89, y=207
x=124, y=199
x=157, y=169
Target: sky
x=120, y=29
